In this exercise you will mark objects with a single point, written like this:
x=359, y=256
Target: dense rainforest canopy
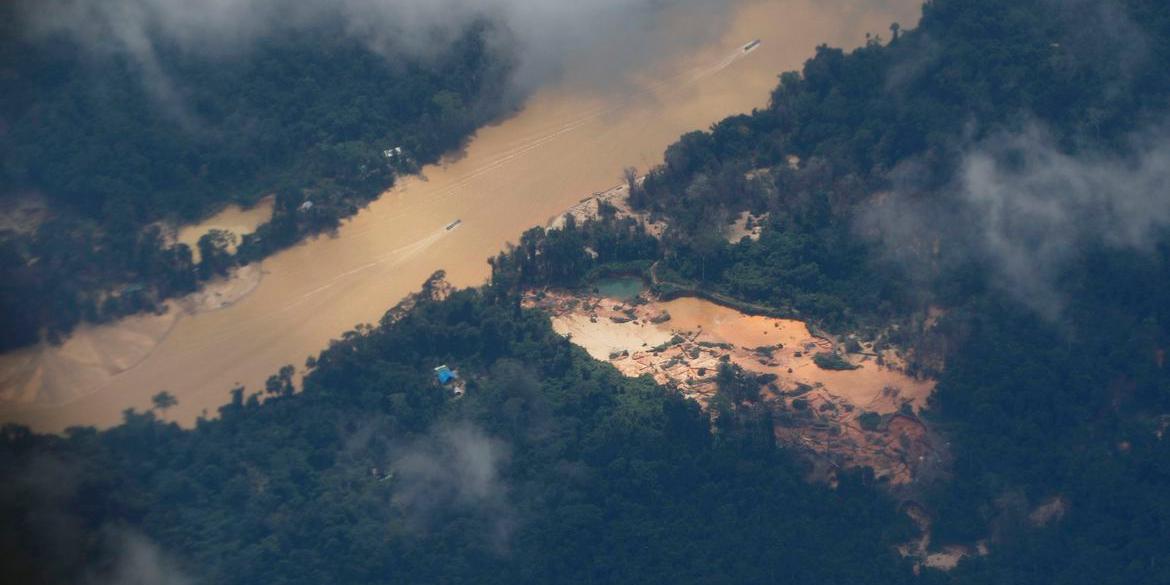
x=310, y=116
x=1053, y=388
x=979, y=166
x=551, y=468
x=905, y=117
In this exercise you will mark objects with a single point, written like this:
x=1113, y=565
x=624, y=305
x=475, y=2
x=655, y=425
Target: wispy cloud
x=597, y=39
x=456, y=468
x=1025, y=208
x=44, y=487
x=137, y=561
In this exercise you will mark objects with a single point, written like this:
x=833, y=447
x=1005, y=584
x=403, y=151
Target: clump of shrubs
x=832, y=361
x=869, y=421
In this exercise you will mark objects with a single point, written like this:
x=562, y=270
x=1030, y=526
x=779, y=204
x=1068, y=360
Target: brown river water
x=564, y=145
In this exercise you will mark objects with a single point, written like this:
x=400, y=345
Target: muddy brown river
x=564, y=145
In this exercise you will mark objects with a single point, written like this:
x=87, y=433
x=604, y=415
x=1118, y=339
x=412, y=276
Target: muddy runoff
x=566, y=143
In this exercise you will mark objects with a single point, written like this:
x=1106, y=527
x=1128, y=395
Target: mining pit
x=863, y=414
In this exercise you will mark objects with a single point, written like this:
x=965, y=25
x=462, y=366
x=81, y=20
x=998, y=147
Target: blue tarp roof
x=444, y=374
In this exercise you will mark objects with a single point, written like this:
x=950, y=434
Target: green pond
x=624, y=288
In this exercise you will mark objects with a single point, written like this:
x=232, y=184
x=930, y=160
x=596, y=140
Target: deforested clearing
x=841, y=418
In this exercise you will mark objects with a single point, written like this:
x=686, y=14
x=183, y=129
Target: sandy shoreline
x=94, y=354
x=232, y=218
x=590, y=207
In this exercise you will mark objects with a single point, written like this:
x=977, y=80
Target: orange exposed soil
x=682, y=342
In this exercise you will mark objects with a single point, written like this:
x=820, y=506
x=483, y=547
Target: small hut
x=444, y=374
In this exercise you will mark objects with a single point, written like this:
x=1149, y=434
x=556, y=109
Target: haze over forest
x=896, y=312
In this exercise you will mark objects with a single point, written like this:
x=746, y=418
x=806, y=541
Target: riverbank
x=531, y=167
x=49, y=376
x=233, y=218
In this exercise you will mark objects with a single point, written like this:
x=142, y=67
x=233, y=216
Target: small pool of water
x=624, y=288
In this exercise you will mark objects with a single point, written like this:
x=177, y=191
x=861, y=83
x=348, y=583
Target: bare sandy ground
x=865, y=386
x=604, y=327
x=590, y=207
x=740, y=230
x=682, y=342
x=943, y=558
x=601, y=338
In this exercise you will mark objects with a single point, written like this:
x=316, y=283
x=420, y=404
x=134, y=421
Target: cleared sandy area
x=602, y=338
x=590, y=208
x=746, y=226
x=719, y=323
x=765, y=345
x=682, y=342
x=925, y=555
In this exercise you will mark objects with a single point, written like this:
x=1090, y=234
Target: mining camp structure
x=444, y=374
x=447, y=377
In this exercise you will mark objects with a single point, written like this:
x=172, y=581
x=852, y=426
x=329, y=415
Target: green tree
x=163, y=401
x=215, y=256
x=281, y=383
